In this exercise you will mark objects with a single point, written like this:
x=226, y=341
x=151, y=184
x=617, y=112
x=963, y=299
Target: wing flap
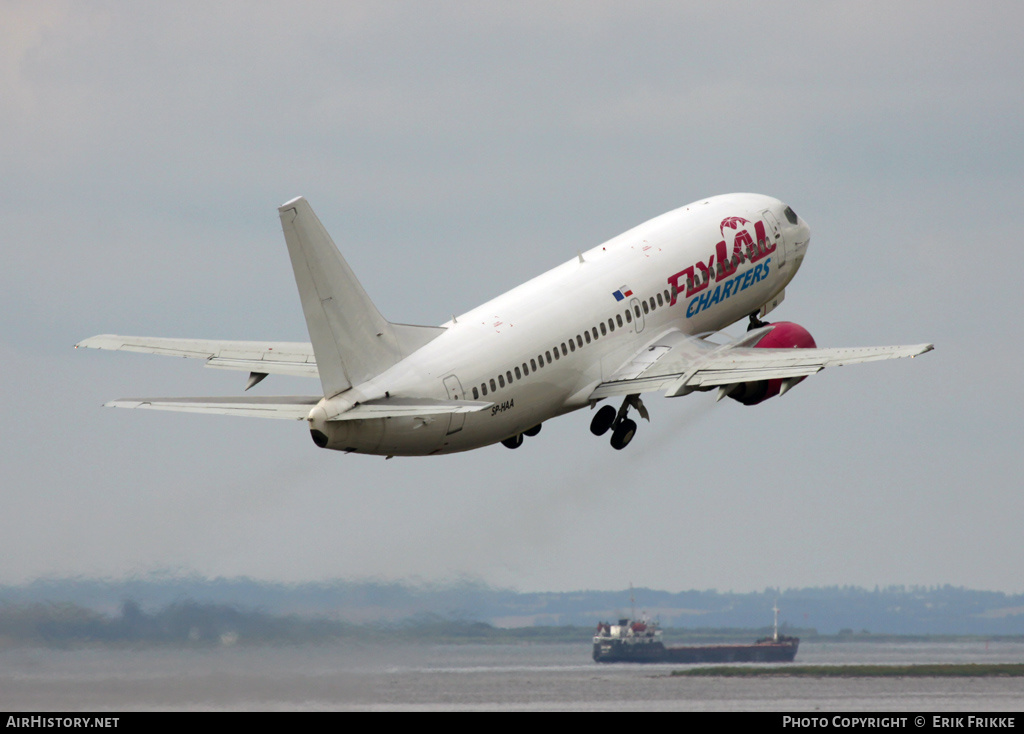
x=267, y=366
x=731, y=375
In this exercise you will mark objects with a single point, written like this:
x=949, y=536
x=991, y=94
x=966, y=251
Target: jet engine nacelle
x=785, y=335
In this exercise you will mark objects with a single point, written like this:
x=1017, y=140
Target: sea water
x=401, y=676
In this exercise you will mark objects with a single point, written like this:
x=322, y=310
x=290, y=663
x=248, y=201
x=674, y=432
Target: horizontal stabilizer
x=272, y=358
x=409, y=408
x=297, y=407
x=288, y=407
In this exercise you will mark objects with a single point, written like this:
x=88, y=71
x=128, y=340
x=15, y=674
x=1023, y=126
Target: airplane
x=638, y=313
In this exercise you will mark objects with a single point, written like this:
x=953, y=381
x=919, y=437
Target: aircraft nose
x=798, y=236
x=801, y=237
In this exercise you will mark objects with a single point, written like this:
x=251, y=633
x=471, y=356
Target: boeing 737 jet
x=639, y=313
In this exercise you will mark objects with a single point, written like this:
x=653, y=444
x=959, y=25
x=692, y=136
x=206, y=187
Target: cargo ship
x=640, y=642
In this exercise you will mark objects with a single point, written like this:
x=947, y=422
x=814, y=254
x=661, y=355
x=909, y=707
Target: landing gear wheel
x=513, y=442
x=531, y=432
x=623, y=434
x=603, y=420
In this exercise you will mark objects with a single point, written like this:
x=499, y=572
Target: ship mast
x=775, y=635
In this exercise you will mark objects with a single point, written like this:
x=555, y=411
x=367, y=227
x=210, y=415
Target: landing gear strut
x=623, y=428
x=756, y=323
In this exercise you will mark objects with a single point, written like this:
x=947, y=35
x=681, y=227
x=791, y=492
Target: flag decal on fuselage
x=622, y=293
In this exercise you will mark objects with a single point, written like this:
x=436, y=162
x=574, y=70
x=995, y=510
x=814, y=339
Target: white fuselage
x=595, y=312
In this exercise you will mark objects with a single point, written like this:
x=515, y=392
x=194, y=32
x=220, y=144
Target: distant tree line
x=179, y=623
x=190, y=623
x=306, y=611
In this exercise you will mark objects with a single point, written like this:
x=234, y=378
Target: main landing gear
x=514, y=442
x=623, y=429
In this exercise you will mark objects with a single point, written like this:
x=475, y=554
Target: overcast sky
x=455, y=150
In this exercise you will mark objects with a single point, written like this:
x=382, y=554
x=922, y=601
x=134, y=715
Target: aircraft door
x=454, y=388
x=638, y=314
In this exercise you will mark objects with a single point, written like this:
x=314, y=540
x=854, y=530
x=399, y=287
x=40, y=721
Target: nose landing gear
x=756, y=323
x=623, y=429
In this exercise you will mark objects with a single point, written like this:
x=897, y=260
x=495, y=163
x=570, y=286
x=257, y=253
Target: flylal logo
x=746, y=246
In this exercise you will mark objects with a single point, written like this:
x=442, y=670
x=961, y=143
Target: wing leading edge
x=679, y=364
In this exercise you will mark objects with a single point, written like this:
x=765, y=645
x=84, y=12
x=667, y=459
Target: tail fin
x=352, y=341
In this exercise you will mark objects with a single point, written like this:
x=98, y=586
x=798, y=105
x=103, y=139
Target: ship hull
x=614, y=651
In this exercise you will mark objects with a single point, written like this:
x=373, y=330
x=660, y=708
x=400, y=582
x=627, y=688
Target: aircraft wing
x=679, y=364
x=270, y=358
x=297, y=407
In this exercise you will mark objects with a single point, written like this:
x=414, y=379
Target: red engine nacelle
x=785, y=335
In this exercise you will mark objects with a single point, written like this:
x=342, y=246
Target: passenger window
x=595, y=333
x=572, y=346
x=533, y=365
x=493, y=386
x=556, y=354
x=604, y=331
x=549, y=356
x=660, y=302
x=579, y=341
x=519, y=375
x=618, y=317
x=565, y=352
x=586, y=335
x=476, y=394
x=483, y=387
x=637, y=310
x=509, y=375
x=668, y=298
x=629, y=317
x=501, y=381
x=645, y=307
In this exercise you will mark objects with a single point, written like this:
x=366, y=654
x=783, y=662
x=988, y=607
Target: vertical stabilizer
x=352, y=341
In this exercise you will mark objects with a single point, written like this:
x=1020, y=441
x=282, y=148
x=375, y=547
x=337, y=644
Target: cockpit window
x=791, y=215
